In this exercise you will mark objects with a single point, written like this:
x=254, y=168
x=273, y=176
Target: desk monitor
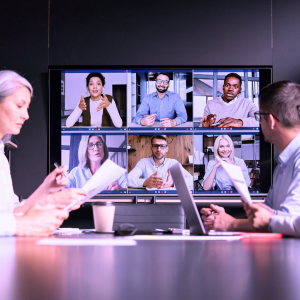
x=114, y=112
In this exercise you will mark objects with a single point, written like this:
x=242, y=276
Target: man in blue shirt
x=280, y=125
x=161, y=106
x=153, y=172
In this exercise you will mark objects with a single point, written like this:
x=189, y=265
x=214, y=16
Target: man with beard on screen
x=153, y=172
x=161, y=106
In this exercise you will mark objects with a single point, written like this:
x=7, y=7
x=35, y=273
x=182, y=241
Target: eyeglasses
x=162, y=146
x=162, y=81
x=98, y=145
x=257, y=116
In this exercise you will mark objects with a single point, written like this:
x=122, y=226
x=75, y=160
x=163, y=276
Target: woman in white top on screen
x=40, y=213
x=215, y=176
x=98, y=108
x=92, y=153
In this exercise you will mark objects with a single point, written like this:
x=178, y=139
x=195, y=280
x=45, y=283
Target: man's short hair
x=159, y=137
x=162, y=73
x=281, y=99
x=237, y=76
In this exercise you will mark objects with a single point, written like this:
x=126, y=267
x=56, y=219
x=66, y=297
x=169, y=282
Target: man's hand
x=82, y=104
x=169, y=181
x=223, y=221
x=104, y=104
x=230, y=122
x=207, y=121
x=40, y=220
x=55, y=181
x=260, y=216
x=148, y=120
x=166, y=122
x=64, y=198
x=113, y=187
x=209, y=215
x=153, y=181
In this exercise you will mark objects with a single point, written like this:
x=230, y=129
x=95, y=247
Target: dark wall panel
x=24, y=48
x=160, y=32
x=286, y=49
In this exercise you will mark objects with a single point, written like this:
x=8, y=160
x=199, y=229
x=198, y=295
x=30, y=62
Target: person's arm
x=114, y=114
x=181, y=115
x=134, y=175
x=291, y=204
x=250, y=121
x=143, y=110
x=7, y=224
x=287, y=225
x=210, y=175
x=73, y=117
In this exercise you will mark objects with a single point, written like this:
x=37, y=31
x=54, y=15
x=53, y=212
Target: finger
x=109, y=187
x=206, y=211
x=217, y=208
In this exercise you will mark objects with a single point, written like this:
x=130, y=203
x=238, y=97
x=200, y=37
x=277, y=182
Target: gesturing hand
x=104, y=104
x=148, y=120
x=207, y=121
x=169, y=182
x=113, y=187
x=230, y=122
x=166, y=122
x=55, y=181
x=82, y=104
x=153, y=181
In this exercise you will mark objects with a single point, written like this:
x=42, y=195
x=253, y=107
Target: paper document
x=236, y=175
x=104, y=176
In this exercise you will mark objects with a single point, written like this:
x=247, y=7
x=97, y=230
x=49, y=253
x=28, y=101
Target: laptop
x=189, y=205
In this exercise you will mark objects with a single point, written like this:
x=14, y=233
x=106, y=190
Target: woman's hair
x=10, y=81
x=84, y=161
x=217, y=143
x=96, y=74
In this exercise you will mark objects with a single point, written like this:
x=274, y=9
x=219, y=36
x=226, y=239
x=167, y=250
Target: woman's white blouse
x=8, y=199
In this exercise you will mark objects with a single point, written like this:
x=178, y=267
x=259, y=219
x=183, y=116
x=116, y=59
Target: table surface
x=151, y=270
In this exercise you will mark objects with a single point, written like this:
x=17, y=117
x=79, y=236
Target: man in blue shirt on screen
x=280, y=125
x=161, y=106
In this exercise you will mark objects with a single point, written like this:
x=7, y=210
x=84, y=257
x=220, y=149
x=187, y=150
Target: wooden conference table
x=150, y=270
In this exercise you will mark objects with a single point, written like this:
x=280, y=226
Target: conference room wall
x=208, y=33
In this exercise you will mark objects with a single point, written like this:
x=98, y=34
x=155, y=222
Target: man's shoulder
x=149, y=96
x=215, y=101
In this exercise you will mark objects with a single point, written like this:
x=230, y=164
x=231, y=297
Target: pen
x=57, y=166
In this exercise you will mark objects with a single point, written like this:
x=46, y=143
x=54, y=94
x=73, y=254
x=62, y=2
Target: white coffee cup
x=104, y=213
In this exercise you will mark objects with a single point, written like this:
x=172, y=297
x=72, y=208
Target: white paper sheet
x=87, y=242
x=236, y=175
x=104, y=176
x=165, y=237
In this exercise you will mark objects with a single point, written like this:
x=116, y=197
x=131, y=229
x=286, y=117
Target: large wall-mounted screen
x=148, y=119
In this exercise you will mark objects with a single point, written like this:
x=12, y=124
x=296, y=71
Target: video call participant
x=97, y=109
x=92, y=153
x=161, y=106
x=280, y=125
x=154, y=170
x=230, y=109
x=215, y=176
x=41, y=215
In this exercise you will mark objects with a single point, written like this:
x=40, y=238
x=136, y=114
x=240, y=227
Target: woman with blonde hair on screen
x=215, y=176
x=39, y=214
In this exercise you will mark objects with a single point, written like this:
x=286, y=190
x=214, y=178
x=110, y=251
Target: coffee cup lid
x=106, y=203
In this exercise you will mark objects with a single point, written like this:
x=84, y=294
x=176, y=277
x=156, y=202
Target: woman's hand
x=104, y=104
x=228, y=160
x=55, y=181
x=40, y=221
x=82, y=104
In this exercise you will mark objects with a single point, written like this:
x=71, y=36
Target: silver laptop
x=189, y=205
